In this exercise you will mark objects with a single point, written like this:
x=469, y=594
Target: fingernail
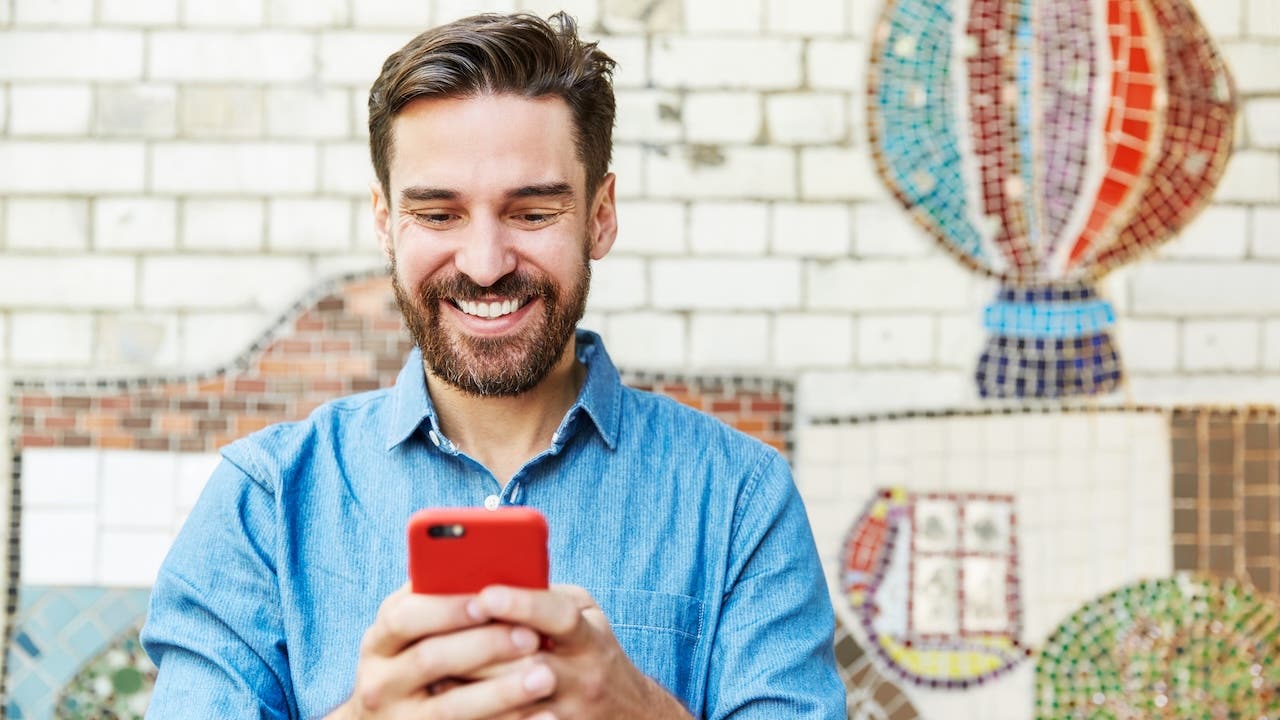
x=539, y=680
x=474, y=611
x=524, y=638
x=497, y=599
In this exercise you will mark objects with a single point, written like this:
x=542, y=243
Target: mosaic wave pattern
x=1182, y=647
x=870, y=695
x=1046, y=142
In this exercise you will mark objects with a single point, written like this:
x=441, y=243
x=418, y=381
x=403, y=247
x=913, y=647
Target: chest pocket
x=659, y=632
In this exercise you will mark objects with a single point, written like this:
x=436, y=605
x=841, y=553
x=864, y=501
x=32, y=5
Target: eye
x=536, y=218
x=434, y=219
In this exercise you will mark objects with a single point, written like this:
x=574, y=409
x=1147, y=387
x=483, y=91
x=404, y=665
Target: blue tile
x=54, y=614
x=26, y=644
x=33, y=696
x=85, y=639
x=29, y=595
x=120, y=611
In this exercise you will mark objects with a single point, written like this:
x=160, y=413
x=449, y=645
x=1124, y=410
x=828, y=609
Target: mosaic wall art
x=105, y=473
x=932, y=578
x=1046, y=142
x=1181, y=647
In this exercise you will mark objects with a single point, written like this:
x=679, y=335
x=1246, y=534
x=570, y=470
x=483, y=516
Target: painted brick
x=1251, y=176
x=308, y=13
x=631, y=53
x=311, y=112
x=840, y=393
x=138, y=12
x=224, y=13
x=815, y=17
x=233, y=168
x=1219, y=232
x=309, y=225
x=137, y=111
x=646, y=340
x=699, y=172
x=1220, y=345
x=4, y=335
x=1208, y=389
x=812, y=340
x=222, y=225
x=230, y=112
x=130, y=558
x=137, y=340
x=647, y=116
x=725, y=284
x=346, y=169
x=53, y=12
x=618, y=283
x=629, y=166
x=585, y=12
x=210, y=339
x=885, y=230
x=363, y=236
x=1200, y=290
x=212, y=282
x=897, y=340
x=1221, y=17
x=44, y=338
x=636, y=16
x=838, y=174
x=1262, y=120
x=1251, y=64
x=806, y=118
x=765, y=64
x=6, y=15
x=810, y=230
x=55, y=224
x=355, y=58
x=729, y=228
x=392, y=13
x=59, y=546
x=67, y=281
x=1271, y=345
x=137, y=489
x=72, y=167
x=1148, y=345
x=723, y=16
x=1262, y=19
x=450, y=10
x=1266, y=232
x=50, y=109
x=651, y=228
x=729, y=340
x=722, y=117
x=836, y=64
x=960, y=340
x=80, y=56
x=135, y=223
x=332, y=266
x=360, y=114
x=222, y=56
x=4, y=108
x=928, y=284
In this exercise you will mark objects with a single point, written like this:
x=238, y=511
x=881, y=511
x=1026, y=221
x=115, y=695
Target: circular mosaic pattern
x=116, y=685
x=1188, y=647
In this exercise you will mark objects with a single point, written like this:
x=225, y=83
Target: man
x=692, y=584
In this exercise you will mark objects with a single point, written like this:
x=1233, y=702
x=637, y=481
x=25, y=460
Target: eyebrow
x=421, y=193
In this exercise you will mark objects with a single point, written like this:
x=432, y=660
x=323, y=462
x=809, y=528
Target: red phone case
x=506, y=546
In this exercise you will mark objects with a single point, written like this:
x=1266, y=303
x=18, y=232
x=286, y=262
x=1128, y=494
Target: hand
x=593, y=677
x=419, y=644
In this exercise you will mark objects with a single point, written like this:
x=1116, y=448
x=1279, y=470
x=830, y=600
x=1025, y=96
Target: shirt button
x=435, y=438
x=492, y=502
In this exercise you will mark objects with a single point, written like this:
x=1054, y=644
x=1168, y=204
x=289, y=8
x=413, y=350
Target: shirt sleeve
x=213, y=626
x=773, y=655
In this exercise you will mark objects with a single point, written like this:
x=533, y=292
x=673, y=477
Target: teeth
x=488, y=310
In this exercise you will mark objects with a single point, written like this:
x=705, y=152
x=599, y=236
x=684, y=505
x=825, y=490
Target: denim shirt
x=690, y=536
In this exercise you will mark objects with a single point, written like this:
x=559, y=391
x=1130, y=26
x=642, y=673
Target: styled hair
x=518, y=54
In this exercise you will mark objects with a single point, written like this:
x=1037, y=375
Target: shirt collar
x=600, y=396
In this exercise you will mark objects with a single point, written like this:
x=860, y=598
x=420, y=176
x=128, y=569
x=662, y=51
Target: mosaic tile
x=1046, y=142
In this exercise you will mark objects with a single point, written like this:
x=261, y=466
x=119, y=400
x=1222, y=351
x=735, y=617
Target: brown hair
x=520, y=54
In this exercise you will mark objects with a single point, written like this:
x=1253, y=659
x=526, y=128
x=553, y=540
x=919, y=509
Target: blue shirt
x=690, y=535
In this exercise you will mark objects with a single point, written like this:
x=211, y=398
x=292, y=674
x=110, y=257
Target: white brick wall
x=223, y=168
x=309, y=225
x=729, y=172
x=812, y=340
x=646, y=340
x=138, y=12
x=243, y=283
x=723, y=16
x=136, y=111
x=229, y=111
x=131, y=223
x=391, y=13
x=234, y=225
x=806, y=118
x=52, y=224
x=729, y=340
x=42, y=110
x=71, y=167
x=228, y=13
x=726, y=284
x=650, y=228
x=51, y=339
x=730, y=228
x=227, y=56
x=52, y=12
x=67, y=281
x=722, y=117
x=764, y=64
x=621, y=283
x=1221, y=345
x=810, y=230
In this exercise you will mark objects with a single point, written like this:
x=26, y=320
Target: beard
x=493, y=366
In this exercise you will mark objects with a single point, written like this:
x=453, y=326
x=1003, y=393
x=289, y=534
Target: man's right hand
x=417, y=648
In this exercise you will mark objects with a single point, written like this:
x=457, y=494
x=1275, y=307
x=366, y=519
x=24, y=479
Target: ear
x=381, y=219
x=603, y=227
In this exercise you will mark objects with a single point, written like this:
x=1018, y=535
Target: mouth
x=489, y=310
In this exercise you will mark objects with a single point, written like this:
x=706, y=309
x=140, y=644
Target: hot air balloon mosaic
x=1046, y=143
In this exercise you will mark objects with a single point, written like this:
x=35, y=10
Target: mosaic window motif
x=1181, y=647
x=932, y=578
x=1046, y=142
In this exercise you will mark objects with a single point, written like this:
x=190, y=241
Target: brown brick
x=117, y=402
x=75, y=440
x=1257, y=509
x=1186, y=557
x=115, y=441
x=1260, y=435
x=249, y=385
x=194, y=405
x=30, y=440
x=1262, y=577
x=1257, y=546
x=1222, y=522
x=137, y=423
x=76, y=403
x=1222, y=450
x=1185, y=522
x=33, y=402
x=60, y=422
x=154, y=443
x=1222, y=560
x=1259, y=472
x=1221, y=487
x=1186, y=485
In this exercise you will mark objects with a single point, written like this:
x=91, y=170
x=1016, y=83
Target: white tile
x=192, y=473
x=131, y=558
x=58, y=546
x=59, y=477
x=138, y=489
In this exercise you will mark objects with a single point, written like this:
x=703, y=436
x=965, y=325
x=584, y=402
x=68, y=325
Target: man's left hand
x=594, y=678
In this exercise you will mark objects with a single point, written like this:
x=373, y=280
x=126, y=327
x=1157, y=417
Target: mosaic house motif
x=933, y=579
x=1045, y=143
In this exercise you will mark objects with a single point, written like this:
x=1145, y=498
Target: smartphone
x=464, y=550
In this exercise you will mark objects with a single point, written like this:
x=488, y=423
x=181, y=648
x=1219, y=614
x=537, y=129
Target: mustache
x=460, y=287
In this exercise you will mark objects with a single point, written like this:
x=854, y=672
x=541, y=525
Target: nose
x=486, y=254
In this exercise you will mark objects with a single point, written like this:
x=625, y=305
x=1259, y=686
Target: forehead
x=482, y=144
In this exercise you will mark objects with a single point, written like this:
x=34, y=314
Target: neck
x=504, y=433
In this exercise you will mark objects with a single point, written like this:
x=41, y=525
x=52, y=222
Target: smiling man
x=688, y=584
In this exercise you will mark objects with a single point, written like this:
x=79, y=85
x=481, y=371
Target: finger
x=578, y=594
x=405, y=617
x=454, y=655
x=495, y=669
x=550, y=613
x=505, y=694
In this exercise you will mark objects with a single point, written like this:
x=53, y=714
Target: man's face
x=490, y=234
